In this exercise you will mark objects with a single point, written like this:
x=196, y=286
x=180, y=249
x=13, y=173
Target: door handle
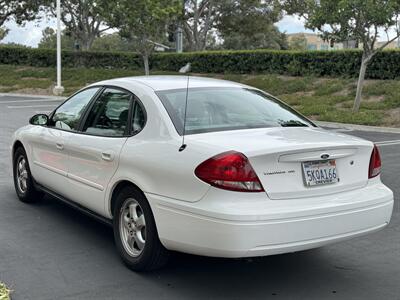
x=107, y=155
x=60, y=146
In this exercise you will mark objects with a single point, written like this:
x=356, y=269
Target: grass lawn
x=4, y=292
x=324, y=99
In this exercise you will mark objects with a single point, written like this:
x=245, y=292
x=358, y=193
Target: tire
x=135, y=232
x=23, y=181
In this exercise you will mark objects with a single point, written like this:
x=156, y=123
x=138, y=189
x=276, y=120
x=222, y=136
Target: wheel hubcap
x=132, y=227
x=22, y=175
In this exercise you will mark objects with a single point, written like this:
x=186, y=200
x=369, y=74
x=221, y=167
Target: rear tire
x=135, y=232
x=23, y=181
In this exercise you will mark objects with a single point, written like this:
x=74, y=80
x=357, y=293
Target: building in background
x=315, y=42
x=392, y=45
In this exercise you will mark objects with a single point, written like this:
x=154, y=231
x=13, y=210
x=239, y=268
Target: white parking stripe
x=388, y=143
x=33, y=100
x=30, y=96
x=31, y=106
x=43, y=112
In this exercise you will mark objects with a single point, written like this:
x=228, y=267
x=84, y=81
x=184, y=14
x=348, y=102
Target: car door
x=49, y=147
x=94, y=154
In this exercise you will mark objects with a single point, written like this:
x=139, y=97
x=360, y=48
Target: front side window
x=109, y=114
x=68, y=115
x=218, y=109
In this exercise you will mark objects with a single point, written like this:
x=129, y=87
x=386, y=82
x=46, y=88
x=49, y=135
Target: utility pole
x=58, y=89
x=179, y=39
x=179, y=30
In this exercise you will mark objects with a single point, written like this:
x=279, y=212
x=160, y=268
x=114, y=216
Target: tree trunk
x=83, y=46
x=89, y=42
x=146, y=65
x=357, y=101
x=86, y=44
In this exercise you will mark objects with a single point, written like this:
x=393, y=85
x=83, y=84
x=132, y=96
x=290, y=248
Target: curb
x=357, y=127
x=33, y=96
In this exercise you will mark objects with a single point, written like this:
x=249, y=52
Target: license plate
x=320, y=172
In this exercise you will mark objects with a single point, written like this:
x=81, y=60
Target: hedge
x=385, y=65
x=47, y=58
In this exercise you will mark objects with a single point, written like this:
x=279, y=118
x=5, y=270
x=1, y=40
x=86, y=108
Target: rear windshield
x=218, y=109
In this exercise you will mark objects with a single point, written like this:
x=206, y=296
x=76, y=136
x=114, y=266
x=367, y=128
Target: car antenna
x=183, y=146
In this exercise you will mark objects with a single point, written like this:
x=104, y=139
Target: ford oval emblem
x=325, y=156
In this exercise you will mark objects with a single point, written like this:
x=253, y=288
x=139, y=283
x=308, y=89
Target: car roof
x=170, y=82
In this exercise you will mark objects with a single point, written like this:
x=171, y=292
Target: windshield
x=218, y=109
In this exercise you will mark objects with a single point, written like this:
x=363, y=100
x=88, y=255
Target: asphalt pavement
x=50, y=251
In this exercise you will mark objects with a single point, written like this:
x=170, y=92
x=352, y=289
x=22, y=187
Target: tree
x=268, y=38
x=144, y=22
x=249, y=24
x=106, y=42
x=83, y=19
x=3, y=32
x=49, y=39
x=199, y=18
x=111, y=42
x=298, y=43
x=21, y=11
x=343, y=20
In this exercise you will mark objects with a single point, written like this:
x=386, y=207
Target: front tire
x=23, y=181
x=135, y=232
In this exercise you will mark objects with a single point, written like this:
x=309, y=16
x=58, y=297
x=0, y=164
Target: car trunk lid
x=279, y=156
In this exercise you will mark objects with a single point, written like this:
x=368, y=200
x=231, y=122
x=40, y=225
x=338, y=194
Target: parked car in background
x=204, y=166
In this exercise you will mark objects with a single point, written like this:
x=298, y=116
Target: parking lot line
x=29, y=100
x=43, y=112
x=31, y=106
x=387, y=143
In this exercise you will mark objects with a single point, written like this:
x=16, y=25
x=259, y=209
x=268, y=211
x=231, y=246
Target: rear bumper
x=224, y=225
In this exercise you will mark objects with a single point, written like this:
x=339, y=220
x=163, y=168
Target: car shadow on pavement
x=290, y=274
x=300, y=275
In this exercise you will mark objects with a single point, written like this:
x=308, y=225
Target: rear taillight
x=230, y=171
x=375, y=163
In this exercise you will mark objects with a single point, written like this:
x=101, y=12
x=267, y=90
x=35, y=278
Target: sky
x=31, y=33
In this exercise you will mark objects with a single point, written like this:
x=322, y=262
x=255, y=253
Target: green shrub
x=344, y=63
x=4, y=292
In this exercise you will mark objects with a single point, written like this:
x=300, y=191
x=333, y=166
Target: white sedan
x=201, y=166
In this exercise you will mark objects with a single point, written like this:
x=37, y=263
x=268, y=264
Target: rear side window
x=138, y=119
x=218, y=109
x=109, y=114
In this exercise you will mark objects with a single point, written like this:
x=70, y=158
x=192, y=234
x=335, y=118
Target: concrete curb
x=357, y=127
x=33, y=96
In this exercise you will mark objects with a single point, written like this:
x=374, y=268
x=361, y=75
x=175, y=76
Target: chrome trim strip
x=86, y=182
x=55, y=170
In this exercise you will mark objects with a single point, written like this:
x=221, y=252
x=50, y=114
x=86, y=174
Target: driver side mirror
x=39, y=119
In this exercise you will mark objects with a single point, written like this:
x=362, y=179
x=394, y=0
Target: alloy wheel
x=132, y=227
x=22, y=175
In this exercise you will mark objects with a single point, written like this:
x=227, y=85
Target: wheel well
x=17, y=145
x=120, y=185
